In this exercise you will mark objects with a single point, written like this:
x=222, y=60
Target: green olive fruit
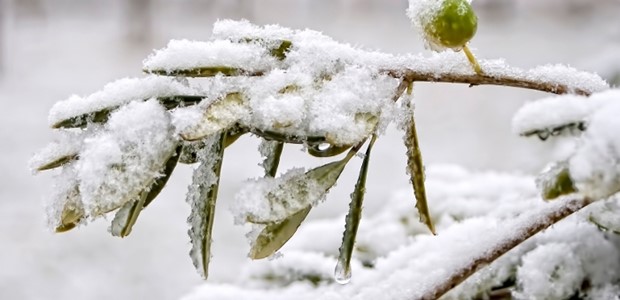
x=452, y=26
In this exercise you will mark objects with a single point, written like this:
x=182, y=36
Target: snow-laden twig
x=525, y=226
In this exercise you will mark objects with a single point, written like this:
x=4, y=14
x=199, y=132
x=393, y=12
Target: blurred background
x=52, y=49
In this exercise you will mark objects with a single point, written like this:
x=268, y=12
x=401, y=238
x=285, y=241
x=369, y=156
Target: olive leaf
x=72, y=211
x=556, y=181
x=202, y=198
x=57, y=161
x=102, y=116
x=544, y=133
x=307, y=188
x=415, y=169
x=126, y=216
x=275, y=235
x=271, y=152
x=219, y=115
x=342, y=273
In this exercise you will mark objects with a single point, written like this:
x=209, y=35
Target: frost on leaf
x=117, y=164
x=201, y=197
x=271, y=152
x=415, y=168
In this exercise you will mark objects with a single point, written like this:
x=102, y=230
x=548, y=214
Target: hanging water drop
x=342, y=273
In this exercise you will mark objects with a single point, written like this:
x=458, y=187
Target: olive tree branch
x=526, y=226
x=411, y=75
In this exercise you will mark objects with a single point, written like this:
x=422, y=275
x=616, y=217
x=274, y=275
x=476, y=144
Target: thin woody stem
x=410, y=75
x=537, y=224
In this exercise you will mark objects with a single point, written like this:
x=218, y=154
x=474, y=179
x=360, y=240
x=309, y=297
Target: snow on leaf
x=553, y=115
x=116, y=164
x=195, y=58
x=271, y=152
x=65, y=209
x=594, y=166
x=77, y=111
x=272, y=200
x=58, y=153
x=126, y=216
x=201, y=197
x=219, y=115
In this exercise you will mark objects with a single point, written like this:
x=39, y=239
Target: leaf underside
x=275, y=235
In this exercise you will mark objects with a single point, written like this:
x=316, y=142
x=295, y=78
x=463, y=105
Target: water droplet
x=342, y=274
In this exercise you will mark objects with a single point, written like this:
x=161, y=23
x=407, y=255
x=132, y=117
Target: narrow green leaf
x=275, y=235
x=271, y=151
x=202, y=198
x=58, y=162
x=160, y=182
x=415, y=168
x=220, y=115
x=309, y=188
x=342, y=273
x=127, y=215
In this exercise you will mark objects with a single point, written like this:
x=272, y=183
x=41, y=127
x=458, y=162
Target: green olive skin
x=453, y=26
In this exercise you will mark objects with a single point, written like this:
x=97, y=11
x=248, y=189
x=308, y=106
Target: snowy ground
x=78, y=46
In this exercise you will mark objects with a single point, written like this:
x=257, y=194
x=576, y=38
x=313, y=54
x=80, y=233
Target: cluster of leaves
x=205, y=143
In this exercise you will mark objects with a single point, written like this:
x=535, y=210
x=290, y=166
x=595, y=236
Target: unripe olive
x=452, y=26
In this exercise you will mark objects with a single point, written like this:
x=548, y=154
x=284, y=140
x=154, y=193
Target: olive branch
x=195, y=125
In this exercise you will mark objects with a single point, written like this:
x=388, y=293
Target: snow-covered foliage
x=119, y=146
x=396, y=258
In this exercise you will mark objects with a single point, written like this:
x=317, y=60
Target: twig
x=531, y=225
x=485, y=79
